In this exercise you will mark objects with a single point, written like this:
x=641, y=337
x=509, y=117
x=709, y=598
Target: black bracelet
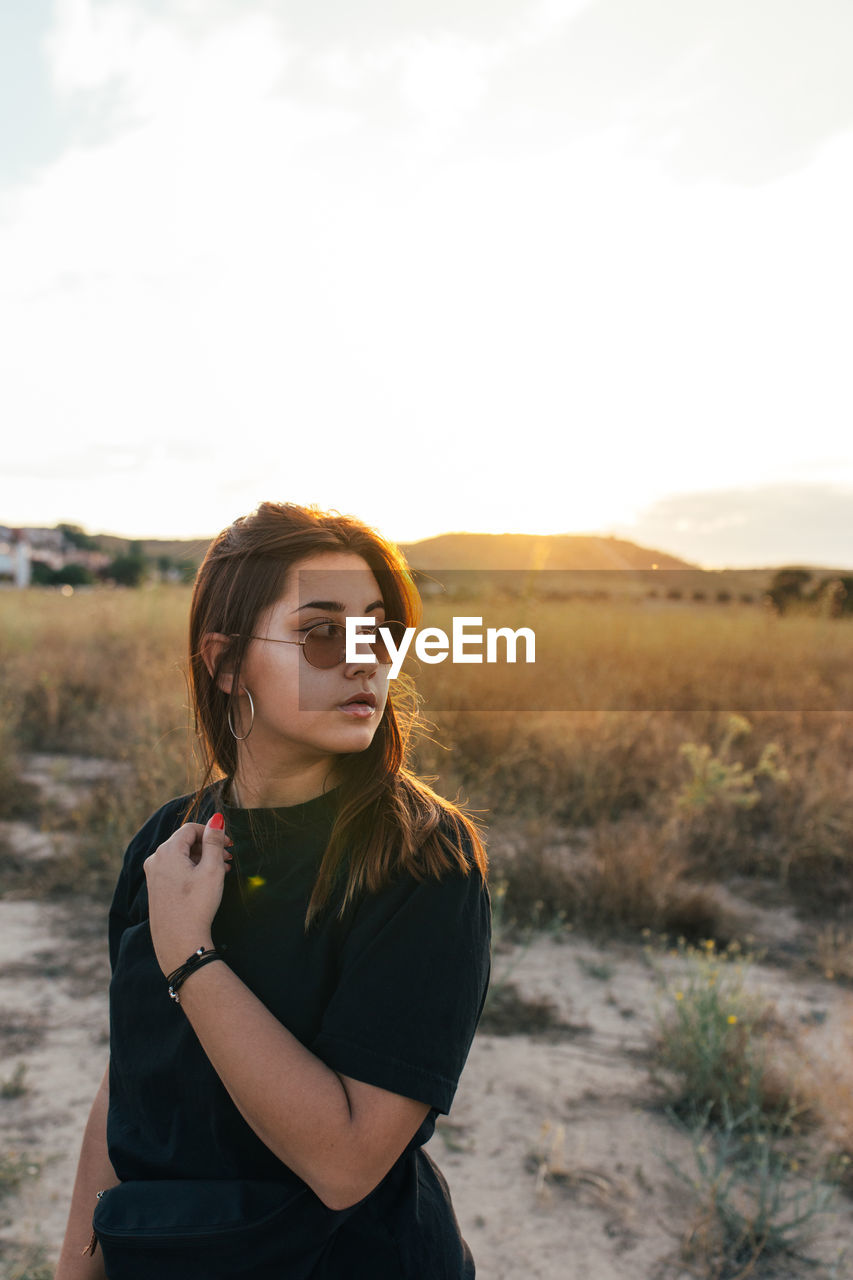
x=199, y=957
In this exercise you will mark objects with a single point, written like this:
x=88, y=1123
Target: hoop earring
x=252, y=723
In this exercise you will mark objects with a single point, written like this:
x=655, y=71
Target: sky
x=545, y=266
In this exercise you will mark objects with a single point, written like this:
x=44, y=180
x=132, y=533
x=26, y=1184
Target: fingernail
x=217, y=822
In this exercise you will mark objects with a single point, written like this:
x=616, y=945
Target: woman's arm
x=340, y=1135
x=94, y=1173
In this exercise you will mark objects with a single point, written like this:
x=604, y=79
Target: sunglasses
x=325, y=646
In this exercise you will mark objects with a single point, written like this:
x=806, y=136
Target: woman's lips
x=359, y=710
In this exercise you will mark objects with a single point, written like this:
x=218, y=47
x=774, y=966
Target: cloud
x=420, y=226
x=184, y=139
x=742, y=91
x=737, y=90
x=767, y=525
x=125, y=64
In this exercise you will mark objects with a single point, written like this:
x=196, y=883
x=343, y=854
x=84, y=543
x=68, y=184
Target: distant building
x=15, y=556
x=47, y=545
x=21, y=548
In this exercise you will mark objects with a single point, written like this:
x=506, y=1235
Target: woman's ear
x=212, y=645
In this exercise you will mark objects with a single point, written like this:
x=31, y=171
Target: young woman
x=299, y=951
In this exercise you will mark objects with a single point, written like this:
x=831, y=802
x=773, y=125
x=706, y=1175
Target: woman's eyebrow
x=335, y=606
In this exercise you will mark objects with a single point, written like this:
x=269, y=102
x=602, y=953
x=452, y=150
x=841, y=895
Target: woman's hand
x=185, y=877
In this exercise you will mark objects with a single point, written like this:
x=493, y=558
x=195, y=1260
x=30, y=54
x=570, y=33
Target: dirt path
x=55, y=1025
x=555, y=1155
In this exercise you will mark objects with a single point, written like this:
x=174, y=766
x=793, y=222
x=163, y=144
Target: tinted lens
x=325, y=644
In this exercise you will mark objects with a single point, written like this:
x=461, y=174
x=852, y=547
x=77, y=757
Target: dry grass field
x=669, y=798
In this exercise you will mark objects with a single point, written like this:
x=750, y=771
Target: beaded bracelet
x=199, y=957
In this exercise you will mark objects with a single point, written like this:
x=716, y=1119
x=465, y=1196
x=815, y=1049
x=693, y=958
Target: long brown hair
x=387, y=818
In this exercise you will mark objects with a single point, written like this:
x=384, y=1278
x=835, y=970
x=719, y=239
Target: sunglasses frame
x=277, y=640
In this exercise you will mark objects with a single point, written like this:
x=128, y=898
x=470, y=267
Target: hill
x=464, y=551
x=565, y=564
x=525, y=551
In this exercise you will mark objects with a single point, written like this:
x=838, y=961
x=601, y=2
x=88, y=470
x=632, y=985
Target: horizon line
x=607, y=536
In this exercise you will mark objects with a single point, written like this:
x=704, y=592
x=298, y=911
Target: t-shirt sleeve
x=119, y=917
x=413, y=977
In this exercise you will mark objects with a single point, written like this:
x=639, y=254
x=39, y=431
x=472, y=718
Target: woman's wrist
x=176, y=956
x=200, y=959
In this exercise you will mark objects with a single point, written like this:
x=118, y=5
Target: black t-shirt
x=390, y=995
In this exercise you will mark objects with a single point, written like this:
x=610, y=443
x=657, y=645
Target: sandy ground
x=554, y=1150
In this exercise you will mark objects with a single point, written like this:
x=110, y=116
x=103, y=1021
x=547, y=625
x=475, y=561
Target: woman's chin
x=357, y=737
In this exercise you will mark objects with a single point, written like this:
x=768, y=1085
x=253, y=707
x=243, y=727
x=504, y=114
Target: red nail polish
x=217, y=822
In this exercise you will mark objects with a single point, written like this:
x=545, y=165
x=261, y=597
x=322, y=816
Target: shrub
x=756, y=1202
x=723, y=806
x=712, y=1037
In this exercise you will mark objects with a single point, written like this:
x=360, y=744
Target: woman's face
x=299, y=708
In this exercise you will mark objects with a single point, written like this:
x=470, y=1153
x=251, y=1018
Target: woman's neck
x=259, y=792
